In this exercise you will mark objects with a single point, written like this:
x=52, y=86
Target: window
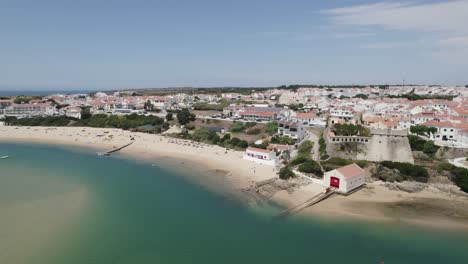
x=445, y=129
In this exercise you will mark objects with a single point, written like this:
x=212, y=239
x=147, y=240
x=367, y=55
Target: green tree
x=305, y=147
x=363, y=96
x=85, y=112
x=148, y=106
x=169, y=117
x=311, y=166
x=430, y=147
x=243, y=144
x=237, y=127
x=271, y=127
x=184, y=116
x=286, y=173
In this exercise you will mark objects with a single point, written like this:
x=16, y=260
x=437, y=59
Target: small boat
x=4, y=157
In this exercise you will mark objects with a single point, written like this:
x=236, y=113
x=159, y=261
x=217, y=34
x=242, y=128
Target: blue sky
x=129, y=44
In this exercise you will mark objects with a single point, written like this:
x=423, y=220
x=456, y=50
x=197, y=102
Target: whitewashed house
x=29, y=110
x=345, y=179
x=310, y=118
x=291, y=129
x=261, y=156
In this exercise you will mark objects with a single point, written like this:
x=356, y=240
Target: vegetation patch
x=323, y=148
x=132, y=121
x=419, y=144
x=311, y=166
x=271, y=127
x=410, y=171
x=460, y=175
x=343, y=162
x=286, y=173
x=423, y=130
x=282, y=140
x=350, y=130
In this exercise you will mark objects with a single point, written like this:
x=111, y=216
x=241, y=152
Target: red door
x=334, y=182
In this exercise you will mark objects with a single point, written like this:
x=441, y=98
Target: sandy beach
x=374, y=203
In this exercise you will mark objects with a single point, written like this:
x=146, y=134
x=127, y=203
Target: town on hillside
x=332, y=135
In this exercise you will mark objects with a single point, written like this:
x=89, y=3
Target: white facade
x=291, y=129
x=345, y=179
x=345, y=114
x=28, y=110
x=261, y=156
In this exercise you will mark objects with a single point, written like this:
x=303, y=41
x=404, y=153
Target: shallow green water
x=136, y=213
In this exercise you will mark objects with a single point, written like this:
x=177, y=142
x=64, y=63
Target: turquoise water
x=112, y=210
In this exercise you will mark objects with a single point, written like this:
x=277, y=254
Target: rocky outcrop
x=406, y=186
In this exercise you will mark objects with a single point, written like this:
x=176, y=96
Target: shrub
x=190, y=126
x=460, y=174
x=413, y=172
x=271, y=127
x=343, y=162
x=299, y=159
x=362, y=163
x=422, y=130
x=311, y=166
x=430, y=148
x=416, y=143
x=253, y=131
x=305, y=147
x=282, y=140
x=226, y=137
x=339, y=161
x=249, y=124
x=242, y=144
x=237, y=127
x=350, y=130
x=322, y=146
x=286, y=173
x=184, y=116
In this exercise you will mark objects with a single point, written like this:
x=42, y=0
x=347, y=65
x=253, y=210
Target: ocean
x=68, y=205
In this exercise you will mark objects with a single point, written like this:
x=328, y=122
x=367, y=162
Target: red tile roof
x=305, y=115
x=350, y=171
x=258, y=150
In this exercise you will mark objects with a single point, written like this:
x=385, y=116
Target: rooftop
x=350, y=171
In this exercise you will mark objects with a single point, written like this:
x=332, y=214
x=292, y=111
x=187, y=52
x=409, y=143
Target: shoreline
x=230, y=174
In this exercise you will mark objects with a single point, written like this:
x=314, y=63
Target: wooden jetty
x=107, y=153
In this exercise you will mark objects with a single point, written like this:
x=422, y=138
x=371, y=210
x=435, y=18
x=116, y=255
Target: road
x=459, y=162
x=312, y=135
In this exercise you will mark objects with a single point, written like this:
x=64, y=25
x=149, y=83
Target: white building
x=29, y=110
x=261, y=156
x=292, y=129
x=446, y=130
x=342, y=113
x=310, y=118
x=345, y=179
